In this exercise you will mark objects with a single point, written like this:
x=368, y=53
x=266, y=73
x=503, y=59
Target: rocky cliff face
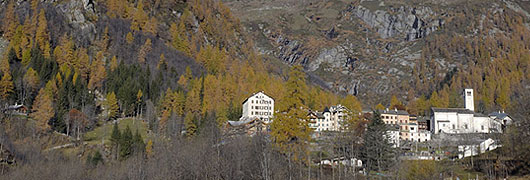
x=411, y=22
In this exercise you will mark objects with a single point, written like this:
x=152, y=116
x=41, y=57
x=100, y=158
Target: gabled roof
x=255, y=94
x=499, y=115
x=242, y=121
x=316, y=113
x=455, y=110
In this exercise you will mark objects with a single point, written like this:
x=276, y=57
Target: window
x=482, y=127
x=468, y=93
x=412, y=128
x=453, y=126
x=251, y=101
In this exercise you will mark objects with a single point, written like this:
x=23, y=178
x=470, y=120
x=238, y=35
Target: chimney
x=468, y=99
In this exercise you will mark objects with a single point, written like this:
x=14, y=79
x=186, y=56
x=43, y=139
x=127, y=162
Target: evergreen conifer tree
x=378, y=152
x=126, y=143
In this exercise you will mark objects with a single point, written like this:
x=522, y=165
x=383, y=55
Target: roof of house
x=499, y=115
x=317, y=114
x=479, y=115
x=456, y=110
x=242, y=121
x=395, y=111
x=423, y=119
x=255, y=94
x=16, y=106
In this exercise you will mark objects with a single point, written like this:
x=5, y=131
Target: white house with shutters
x=260, y=106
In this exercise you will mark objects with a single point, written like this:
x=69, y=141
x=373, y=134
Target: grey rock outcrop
x=290, y=51
x=410, y=22
x=76, y=13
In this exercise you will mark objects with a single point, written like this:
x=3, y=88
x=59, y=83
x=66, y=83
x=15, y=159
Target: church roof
x=479, y=115
x=456, y=110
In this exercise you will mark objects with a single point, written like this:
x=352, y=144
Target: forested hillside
x=144, y=89
x=180, y=66
x=186, y=58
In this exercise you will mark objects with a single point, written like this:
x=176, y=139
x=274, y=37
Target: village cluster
x=259, y=109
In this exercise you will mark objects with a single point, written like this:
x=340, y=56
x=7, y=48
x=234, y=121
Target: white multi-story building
x=463, y=120
x=330, y=120
x=393, y=135
x=318, y=121
x=417, y=135
x=260, y=106
x=337, y=116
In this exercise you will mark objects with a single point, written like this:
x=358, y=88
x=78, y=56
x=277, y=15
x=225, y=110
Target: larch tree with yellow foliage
x=290, y=129
x=129, y=37
x=144, y=50
x=97, y=72
x=139, y=18
x=113, y=63
x=151, y=26
x=42, y=37
x=379, y=107
x=111, y=106
x=179, y=40
x=162, y=64
x=9, y=20
x=43, y=109
x=354, y=107
x=31, y=82
x=193, y=108
x=6, y=83
x=82, y=63
x=6, y=86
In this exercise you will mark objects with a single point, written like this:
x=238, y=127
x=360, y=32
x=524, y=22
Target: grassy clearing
x=103, y=132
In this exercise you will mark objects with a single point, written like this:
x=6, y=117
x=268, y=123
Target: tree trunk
x=320, y=166
x=289, y=162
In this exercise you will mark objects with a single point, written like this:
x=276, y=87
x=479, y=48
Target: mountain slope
x=374, y=49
